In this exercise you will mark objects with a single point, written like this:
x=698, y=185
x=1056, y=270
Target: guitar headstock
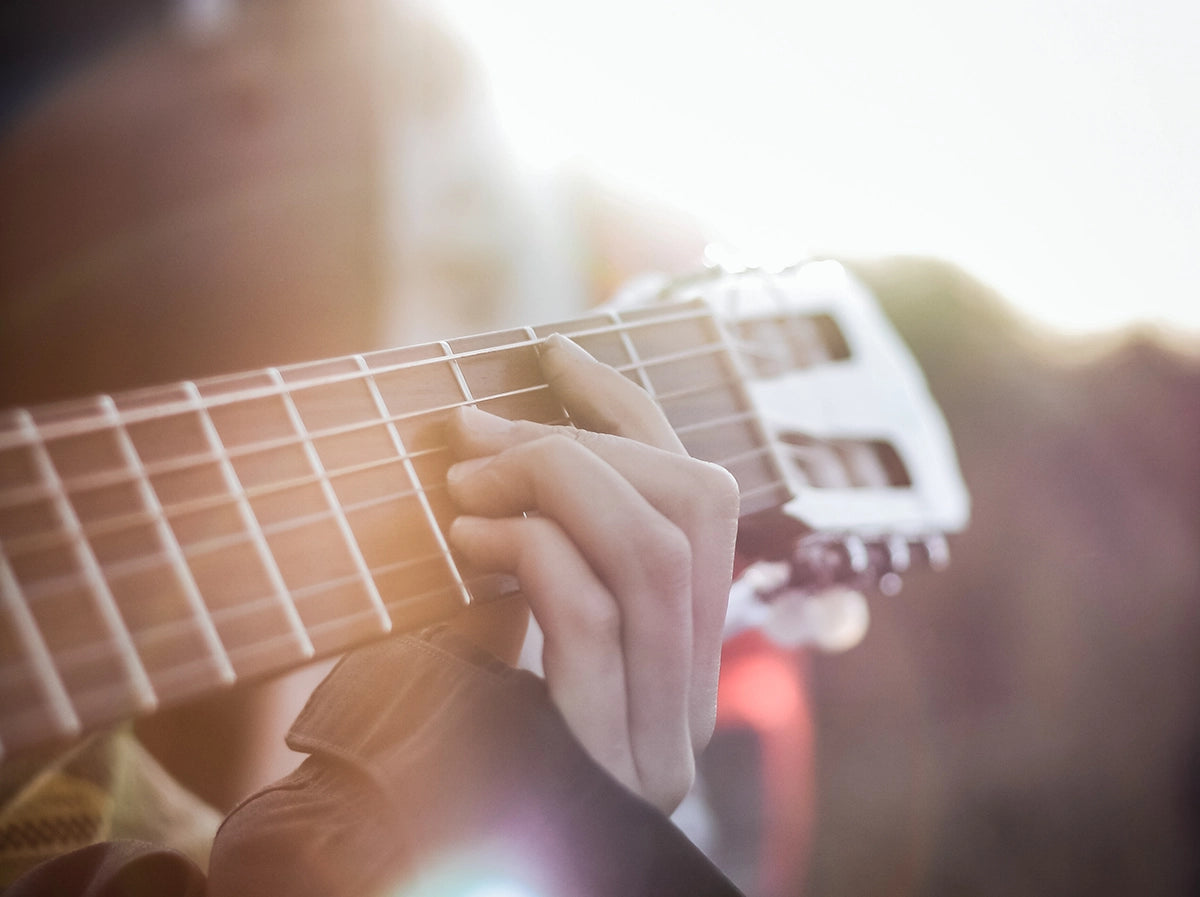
x=871, y=481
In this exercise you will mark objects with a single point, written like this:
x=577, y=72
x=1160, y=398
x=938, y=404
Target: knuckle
x=711, y=498
x=550, y=457
x=720, y=491
x=569, y=440
x=542, y=541
x=596, y=620
x=560, y=443
x=534, y=546
x=534, y=534
x=666, y=556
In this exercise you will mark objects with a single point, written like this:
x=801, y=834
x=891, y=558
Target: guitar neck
x=161, y=544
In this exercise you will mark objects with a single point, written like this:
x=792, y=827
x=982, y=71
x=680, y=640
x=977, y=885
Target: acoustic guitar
x=165, y=543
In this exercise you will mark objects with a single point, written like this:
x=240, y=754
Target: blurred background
x=1047, y=146
x=204, y=186
x=1030, y=722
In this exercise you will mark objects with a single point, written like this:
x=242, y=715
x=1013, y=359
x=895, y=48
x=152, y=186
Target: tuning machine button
x=899, y=557
x=937, y=551
x=857, y=557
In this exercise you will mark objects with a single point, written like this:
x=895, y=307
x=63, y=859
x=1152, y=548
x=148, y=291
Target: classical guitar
x=168, y=542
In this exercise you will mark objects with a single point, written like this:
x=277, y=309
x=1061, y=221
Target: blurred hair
x=43, y=41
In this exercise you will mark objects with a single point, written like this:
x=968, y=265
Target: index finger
x=601, y=399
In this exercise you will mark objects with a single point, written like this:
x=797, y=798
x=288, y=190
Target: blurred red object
x=764, y=807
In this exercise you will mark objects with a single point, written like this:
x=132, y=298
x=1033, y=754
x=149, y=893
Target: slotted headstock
x=872, y=483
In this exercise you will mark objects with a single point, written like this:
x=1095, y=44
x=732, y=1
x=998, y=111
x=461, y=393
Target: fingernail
x=558, y=341
x=461, y=528
x=464, y=469
x=482, y=422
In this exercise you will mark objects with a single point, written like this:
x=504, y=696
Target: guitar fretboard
x=164, y=543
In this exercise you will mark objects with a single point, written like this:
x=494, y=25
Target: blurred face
x=193, y=202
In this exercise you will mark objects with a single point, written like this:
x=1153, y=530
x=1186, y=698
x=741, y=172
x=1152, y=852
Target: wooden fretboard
x=164, y=543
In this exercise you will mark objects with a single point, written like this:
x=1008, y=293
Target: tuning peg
x=899, y=557
x=937, y=550
x=857, y=557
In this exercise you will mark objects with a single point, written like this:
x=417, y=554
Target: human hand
x=625, y=560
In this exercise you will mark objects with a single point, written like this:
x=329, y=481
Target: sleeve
x=433, y=768
x=113, y=869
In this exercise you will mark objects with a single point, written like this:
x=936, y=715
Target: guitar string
x=222, y=615
x=78, y=656
x=29, y=495
x=124, y=521
x=90, y=421
x=13, y=496
x=128, y=566
x=746, y=348
x=163, y=677
x=183, y=671
x=123, y=567
x=146, y=637
x=117, y=569
x=319, y=587
x=141, y=518
x=192, y=549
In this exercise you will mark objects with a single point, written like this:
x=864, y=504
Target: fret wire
x=643, y=378
x=72, y=656
x=565, y=414
x=406, y=458
x=159, y=631
x=730, y=460
x=458, y=374
x=199, y=403
x=728, y=420
x=215, y=501
x=765, y=487
x=25, y=494
x=116, y=524
x=767, y=442
x=83, y=653
x=468, y=399
x=139, y=518
x=84, y=426
x=143, y=691
x=99, y=480
x=216, y=543
x=48, y=679
x=173, y=550
x=339, y=514
x=233, y=484
x=164, y=629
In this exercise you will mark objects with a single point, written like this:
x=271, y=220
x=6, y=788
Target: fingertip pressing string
x=565, y=344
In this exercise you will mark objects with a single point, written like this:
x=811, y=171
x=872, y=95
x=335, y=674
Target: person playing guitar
x=175, y=235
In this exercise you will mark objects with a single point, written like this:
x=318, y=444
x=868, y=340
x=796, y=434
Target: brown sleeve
x=429, y=760
x=113, y=869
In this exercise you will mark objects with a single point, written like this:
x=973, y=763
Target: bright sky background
x=1051, y=147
